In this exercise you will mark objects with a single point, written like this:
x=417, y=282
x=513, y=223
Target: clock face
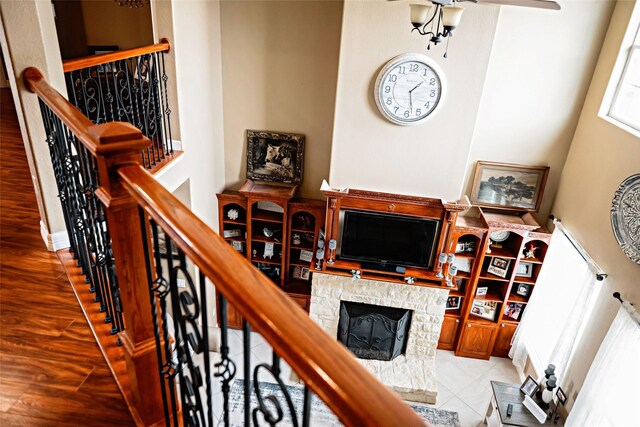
x=409, y=88
x=499, y=236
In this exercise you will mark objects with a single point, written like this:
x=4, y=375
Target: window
x=621, y=103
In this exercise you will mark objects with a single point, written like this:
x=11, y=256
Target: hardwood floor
x=51, y=370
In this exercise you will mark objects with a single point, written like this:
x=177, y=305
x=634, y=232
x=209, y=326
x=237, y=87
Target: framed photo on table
x=508, y=186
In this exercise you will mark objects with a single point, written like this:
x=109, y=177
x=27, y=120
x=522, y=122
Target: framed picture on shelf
x=525, y=269
x=238, y=246
x=306, y=256
x=463, y=264
x=508, y=186
x=227, y=234
x=453, y=303
x=522, y=289
x=485, y=309
x=513, y=310
x=275, y=156
x=481, y=291
x=302, y=273
x=499, y=266
x=562, y=398
x=466, y=246
x=529, y=386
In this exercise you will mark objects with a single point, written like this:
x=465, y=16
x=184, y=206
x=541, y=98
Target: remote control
x=509, y=410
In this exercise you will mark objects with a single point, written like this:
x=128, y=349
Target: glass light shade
x=419, y=14
x=451, y=258
x=451, y=16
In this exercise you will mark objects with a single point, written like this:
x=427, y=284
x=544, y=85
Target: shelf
x=301, y=263
x=456, y=293
x=235, y=222
x=484, y=275
x=491, y=295
x=274, y=260
x=518, y=298
x=501, y=253
x=520, y=279
x=531, y=260
x=235, y=239
x=475, y=319
x=463, y=275
x=465, y=255
x=303, y=230
x=265, y=240
x=453, y=313
x=302, y=246
x=268, y=216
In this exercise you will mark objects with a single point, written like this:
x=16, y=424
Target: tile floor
x=463, y=384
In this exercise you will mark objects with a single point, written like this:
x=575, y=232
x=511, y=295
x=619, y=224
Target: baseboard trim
x=56, y=241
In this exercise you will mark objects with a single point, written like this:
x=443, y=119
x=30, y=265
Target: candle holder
x=332, y=251
x=319, y=256
x=441, y=260
x=451, y=273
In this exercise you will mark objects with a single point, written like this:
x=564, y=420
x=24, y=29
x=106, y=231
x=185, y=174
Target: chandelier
x=439, y=24
x=132, y=3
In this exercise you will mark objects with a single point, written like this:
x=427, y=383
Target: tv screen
x=385, y=238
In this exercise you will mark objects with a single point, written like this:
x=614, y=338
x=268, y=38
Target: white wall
x=196, y=28
x=280, y=61
x=428, y=159
x=107, y=23
x=539, y=72
x=601, y=157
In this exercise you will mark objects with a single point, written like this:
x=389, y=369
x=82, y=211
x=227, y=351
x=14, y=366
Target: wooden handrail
x=327, y=367
x=105, y=58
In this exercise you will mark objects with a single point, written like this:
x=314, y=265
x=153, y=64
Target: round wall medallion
x=499, y=236
x=625, y=217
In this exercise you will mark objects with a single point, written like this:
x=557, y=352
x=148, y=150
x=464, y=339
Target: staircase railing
x=129, y=86
x=169, y=265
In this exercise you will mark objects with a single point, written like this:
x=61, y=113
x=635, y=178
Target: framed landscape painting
x=275, y=156
x=508, y=186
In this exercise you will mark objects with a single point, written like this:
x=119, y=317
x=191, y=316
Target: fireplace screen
x=372, y=331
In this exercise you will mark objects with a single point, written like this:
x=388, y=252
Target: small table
x=505, y=394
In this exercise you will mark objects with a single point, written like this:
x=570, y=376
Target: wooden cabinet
x=503, y=340
x=278, y=233
x=476, y=340
x=499, y=287
x=449, y=332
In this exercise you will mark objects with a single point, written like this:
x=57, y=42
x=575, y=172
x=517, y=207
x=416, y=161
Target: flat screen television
x=388, y=239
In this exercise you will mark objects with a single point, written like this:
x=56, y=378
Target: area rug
x=321, y=416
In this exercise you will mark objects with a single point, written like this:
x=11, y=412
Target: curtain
x=557, y=311
x=610, y=394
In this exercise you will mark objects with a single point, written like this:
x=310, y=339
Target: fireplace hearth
x=373, y=331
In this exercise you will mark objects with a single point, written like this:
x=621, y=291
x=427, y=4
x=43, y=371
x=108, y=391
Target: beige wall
x=601, y=157
x=539, y=72
x=107, y=23
x=280, y=60
x=427, y=159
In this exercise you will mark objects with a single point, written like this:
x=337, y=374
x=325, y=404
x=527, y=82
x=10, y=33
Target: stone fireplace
x=412, y=372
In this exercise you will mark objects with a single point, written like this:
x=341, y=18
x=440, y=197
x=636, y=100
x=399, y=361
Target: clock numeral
x=406, y=114
x=388, y=101
x=432, y=82
x=393, y=78
x=425, y=72
x=396, y=109
x=432, y=93
x=403, y=70
x=413, y=68
x=418, y=112
x=387, y=89
x=427, y=104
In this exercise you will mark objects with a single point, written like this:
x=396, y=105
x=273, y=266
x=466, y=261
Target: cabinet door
x=476, y=340
x=503, y=341
x=448, y=333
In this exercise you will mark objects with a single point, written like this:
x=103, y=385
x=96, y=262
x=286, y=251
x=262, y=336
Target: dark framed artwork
x=508, y=186
x=453, y=303
x=522, y=289
x=562, y=397
x=529, y=386
x=275, y=156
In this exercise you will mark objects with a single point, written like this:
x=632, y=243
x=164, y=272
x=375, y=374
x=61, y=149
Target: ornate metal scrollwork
x=269, y=417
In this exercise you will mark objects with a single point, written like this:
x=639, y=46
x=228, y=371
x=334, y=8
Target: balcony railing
x=128, y=86
x=172, y=374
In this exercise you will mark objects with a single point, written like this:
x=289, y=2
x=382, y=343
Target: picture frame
x=306, y=256
x=485, y=309
x=302, y=273
x=562, y=397
x=468, y=246
x=523, y=289
x=513, y=310
x=227, y=234
x=529, y=386
x=237, y=245
x=508, y=186
x=524, y=269
x=499, y=266
x=481, y=291
x=275, y=156
x=463, y=264
x=453, y=303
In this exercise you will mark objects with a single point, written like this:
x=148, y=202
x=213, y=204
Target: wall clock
x=625, y=217
x=409, y=89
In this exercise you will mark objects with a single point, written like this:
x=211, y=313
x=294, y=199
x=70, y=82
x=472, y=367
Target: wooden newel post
x=120, y=144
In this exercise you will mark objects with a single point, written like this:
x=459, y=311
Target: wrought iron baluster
x=166, y=109
x=246, y=343
x=205, y=346
x=226, y=367
x=306, y=407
